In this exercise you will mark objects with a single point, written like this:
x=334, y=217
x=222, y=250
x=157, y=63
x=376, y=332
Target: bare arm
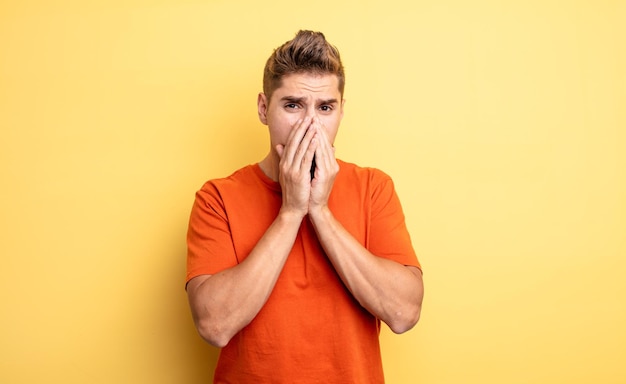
x=224, y=303
x=389, y=290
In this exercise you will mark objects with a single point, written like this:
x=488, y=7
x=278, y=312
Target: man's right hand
x=296, y=157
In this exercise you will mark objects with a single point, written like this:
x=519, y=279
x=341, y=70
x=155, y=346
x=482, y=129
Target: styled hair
x=308, y=52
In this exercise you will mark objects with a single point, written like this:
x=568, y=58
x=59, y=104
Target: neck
x=269, y=165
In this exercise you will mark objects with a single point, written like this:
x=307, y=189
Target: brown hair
x=308, y=52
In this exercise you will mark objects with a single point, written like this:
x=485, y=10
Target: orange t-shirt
x=311, y=330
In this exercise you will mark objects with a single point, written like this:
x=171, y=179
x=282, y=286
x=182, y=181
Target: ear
x=262, y=105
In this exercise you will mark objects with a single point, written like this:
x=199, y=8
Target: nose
x=311, y=112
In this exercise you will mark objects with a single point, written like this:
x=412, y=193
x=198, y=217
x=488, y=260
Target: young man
x=291, y=269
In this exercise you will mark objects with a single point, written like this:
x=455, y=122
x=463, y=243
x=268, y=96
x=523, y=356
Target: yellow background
x=502, y=123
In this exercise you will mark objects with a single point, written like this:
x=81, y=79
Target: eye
x=326, y=108
x=291, y=106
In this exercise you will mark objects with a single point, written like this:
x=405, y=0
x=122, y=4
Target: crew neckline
x=275, y=185
x=271, y=184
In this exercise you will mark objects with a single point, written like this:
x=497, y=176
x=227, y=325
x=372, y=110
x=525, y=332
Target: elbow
x=402, y=323
x=409, y=313
x=213, y=334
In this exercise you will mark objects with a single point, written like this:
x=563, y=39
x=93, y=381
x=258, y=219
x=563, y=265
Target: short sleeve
x=389, y=236
x=209, y=241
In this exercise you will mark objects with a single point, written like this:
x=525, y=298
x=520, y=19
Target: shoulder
x=215, y=189
x=239, y=177
x=354, y=173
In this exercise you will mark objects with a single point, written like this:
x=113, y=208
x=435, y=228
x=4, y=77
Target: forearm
x=224, y=303
x=389, y=290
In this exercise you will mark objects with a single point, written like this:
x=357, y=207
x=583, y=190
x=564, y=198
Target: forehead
x=308, y=85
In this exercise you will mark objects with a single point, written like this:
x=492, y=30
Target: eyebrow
x=299, y=100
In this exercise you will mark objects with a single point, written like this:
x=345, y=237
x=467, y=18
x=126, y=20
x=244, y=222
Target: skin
x=303, y=118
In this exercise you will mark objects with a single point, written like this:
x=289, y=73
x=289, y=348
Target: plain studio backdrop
x=502, y=124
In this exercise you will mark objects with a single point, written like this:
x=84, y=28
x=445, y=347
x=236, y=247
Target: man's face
x=302, y=95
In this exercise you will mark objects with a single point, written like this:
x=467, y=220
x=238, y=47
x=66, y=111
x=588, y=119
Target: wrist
x=291, y=215
x=319, y=214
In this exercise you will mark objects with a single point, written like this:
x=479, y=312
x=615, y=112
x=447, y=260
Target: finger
x=325, y=156
x=324, y=149
x=305, y=149
x=295, y=137
x=307, y=161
